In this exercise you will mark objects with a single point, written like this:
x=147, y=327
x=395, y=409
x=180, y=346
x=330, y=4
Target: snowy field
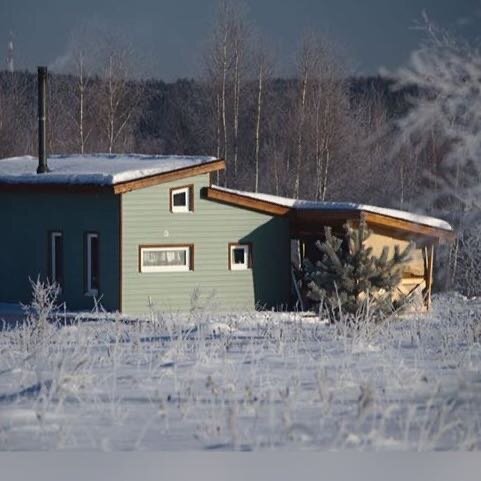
x=257, y=381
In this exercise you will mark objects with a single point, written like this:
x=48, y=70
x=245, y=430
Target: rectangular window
x=56, y=258
x=240, y=257
x=166, y=258
x=92, y=264
x=182, y=199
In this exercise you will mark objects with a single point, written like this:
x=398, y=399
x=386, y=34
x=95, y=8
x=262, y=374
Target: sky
x=170, y=35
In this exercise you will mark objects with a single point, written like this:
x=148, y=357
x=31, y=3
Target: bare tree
x=97, y=106
x=241, y=38
x=329, y=110
x=119, y=98
x=17, y=114
x=80, y=62
x=226, y=62
x=218, y=59
x=263, y=67
x=322, y=116
x=84, y=85
x=306, y=64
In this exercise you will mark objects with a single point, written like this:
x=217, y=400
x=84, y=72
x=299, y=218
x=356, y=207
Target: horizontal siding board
x=146, y=219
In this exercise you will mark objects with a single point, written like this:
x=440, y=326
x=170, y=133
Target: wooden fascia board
x=245, y=202
x=311, y=222
x=395, y=224
x=152, y=180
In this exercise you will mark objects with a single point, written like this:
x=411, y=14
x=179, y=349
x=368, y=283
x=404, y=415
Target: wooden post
x=429, y=265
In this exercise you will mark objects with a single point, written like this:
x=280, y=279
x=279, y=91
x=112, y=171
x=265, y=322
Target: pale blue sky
x=171, y=33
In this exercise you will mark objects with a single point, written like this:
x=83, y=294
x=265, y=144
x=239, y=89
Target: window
x=182, y=199
x=55, y=247
x=166, y=258
x=92, y=264
x=240, y=257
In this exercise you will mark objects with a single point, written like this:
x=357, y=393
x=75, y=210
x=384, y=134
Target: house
x=132, y=231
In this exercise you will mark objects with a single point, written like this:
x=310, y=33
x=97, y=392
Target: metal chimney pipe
x=42, y=121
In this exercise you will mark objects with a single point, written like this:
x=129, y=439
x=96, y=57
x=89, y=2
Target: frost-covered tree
x=446, y=74
x=349, y=275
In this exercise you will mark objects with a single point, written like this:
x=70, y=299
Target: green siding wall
x=146, y=219
x=26, y=219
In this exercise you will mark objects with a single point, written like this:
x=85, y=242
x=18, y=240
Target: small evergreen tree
x=349, y=275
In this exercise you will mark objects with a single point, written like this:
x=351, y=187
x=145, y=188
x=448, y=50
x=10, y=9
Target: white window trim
x=245, y=265
x=53, y=258
x=90, y=291
x=181, y=209
x=150, y=269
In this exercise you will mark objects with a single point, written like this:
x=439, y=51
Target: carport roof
x=307, y=215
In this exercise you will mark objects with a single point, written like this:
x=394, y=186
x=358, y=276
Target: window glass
x=239, y=255
x=239, y=259
x=165, y=259
x=180, y=199
x=92, y=264
x=56, y=258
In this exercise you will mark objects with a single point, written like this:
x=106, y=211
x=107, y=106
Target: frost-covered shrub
x=467, y=274
x=38, y=313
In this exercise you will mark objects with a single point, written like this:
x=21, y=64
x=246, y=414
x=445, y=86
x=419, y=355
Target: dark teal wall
x=25, y=220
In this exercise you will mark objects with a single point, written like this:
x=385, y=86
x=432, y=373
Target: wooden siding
x=26, y=220
x=146, y=219
x=414, y=273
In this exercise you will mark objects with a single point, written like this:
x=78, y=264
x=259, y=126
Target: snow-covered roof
x=97, y=169
x=299, y=204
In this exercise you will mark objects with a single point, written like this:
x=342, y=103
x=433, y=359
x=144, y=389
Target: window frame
x=89, y=289
x=189, y=191
x=247, y=246
x=188, y=267
x=52, y=258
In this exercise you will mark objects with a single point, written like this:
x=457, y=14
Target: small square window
x=239, y=257
x=181, y=199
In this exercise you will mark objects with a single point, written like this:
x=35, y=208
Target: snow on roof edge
x=330, y=206
x=97, y=169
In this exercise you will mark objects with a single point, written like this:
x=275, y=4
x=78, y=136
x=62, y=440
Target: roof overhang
x=118, y=188
x=239, y=200
x=308, y=222
x=311, y=222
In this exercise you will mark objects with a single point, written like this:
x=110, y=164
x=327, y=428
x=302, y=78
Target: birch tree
x=306, y=64
x=263, y=68
x=218, y=60
x=118, y=97
x=226, y=62
x=240, y=53
x=81, y=106
x=329, y=110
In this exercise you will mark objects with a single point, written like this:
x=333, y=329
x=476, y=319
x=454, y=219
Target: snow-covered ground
x=245, y=382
